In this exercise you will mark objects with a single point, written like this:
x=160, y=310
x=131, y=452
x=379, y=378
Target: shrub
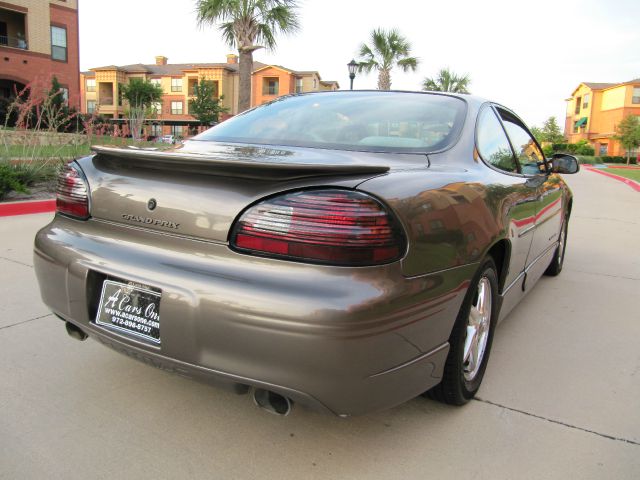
x=588, y=159
x=617, y=159
x=580, y=148
x=12, y=179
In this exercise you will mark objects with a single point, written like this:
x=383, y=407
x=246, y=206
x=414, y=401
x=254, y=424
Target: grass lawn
x=623, y=172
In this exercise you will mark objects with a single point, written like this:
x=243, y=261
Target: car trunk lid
x=199, y=189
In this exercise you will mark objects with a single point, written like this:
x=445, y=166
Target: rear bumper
x=349, y=340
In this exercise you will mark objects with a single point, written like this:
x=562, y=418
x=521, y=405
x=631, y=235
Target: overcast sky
x=528, y=56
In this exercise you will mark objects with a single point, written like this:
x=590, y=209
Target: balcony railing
x=106, y=101
x=13, y=42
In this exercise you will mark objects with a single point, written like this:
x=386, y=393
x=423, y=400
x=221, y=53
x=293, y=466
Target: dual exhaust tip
x=265, y=399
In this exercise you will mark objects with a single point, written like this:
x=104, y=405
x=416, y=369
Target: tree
x=447, y=81
x=628, y=134
x=551, y=131
x=248, y=25
x=388, y=49
x=205, y=106
x=141, y=95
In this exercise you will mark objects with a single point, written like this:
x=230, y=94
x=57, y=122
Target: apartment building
x=595, y=109
x=100, y=89
x=39, y=39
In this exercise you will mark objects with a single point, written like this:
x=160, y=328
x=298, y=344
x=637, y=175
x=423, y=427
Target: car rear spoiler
x=262, y=166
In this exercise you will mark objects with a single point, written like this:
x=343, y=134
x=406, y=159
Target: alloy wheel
x=478, y=326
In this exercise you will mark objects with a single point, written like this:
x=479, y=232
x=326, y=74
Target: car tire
x=467, y=360
x=555, y=267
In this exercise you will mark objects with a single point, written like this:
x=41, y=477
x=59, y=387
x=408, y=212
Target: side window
x=492, y=142
x=529, y=155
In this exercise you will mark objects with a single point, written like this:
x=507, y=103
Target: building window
x=176, y=84
x=176, y=130
x=156, y=130
x=65, y=95
x=59, y=43
x=156, y=81
x=636, y=95
x=91, y=84
x=299, y=85
x=578, y=102
x=271, y=86
x=176, y=108
x=91, y=106
x=585, y=101
x=315, y=83
x=157, y=108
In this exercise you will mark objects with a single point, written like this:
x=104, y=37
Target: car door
x=548, y=214
x=512, y=194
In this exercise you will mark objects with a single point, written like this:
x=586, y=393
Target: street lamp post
x=352, y=66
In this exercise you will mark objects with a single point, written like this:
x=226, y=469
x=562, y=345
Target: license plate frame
x=130, y=308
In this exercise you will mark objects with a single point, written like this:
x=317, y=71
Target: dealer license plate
x=131, y=309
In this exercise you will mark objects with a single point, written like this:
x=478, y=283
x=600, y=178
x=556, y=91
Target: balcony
x=13, y=42
x=13, y=29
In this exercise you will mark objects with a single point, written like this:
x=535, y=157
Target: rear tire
x=555, y=267
x=471, y=339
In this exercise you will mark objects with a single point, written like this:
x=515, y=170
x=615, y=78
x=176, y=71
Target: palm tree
x=447, y=81
x=388, y=49
x=248, y=25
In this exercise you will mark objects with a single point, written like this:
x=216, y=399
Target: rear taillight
x=336, y=227
x=72, y=194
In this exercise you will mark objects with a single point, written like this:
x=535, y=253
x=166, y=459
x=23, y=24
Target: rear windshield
x=363, y=121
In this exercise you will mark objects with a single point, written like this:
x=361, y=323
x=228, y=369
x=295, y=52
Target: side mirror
x=563, y=163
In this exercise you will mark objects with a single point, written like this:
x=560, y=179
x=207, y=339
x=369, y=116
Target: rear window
x=363, y=121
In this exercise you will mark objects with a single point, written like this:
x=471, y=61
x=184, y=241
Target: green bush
x=17, y=177
x=617, y=159
x=580, y=148
x=12, y=179
x=588, y=159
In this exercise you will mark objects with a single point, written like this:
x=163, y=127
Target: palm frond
x=387, y=49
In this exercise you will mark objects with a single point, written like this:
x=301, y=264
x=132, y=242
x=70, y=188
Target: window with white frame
x=636, y=95
x=176, y=130
x=176, y=108
x=156, y=107
x=585, y=100
x=91, y=106
x=59, y=43
x=176, y=84
x=91, y=85
x=156, y=81
x=156, y=130
x=299, y=87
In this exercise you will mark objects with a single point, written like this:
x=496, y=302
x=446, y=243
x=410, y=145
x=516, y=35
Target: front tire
x=471, y=339
x=555, y=267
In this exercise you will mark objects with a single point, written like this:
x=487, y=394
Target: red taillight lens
x=72, y=194
x=337, y=227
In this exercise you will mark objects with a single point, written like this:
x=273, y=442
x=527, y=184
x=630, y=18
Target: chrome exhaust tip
x=75, y=332
x=272, y=402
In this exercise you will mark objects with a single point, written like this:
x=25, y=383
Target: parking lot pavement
x=560, y=398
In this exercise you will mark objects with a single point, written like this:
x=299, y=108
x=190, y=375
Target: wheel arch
x=500, y=251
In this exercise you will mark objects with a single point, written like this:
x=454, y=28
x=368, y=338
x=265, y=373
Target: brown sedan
x=343, y=250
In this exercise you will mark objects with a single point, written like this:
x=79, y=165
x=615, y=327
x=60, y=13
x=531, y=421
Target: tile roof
x=172, y=68
x=599, y=86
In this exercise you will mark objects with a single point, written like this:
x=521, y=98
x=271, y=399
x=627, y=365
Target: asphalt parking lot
x=561, y=398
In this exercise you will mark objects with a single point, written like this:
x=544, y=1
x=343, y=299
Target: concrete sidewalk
x=560, y=398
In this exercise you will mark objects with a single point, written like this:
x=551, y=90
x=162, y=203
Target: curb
x=633, y=184
x=28, y=207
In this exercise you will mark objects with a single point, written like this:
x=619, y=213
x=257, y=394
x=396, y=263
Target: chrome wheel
x=563, y=233
x=478, y=326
